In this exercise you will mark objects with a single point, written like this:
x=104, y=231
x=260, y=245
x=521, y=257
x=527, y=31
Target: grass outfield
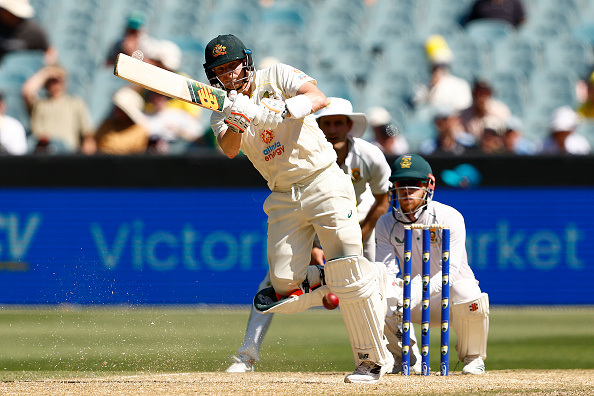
x=89, y=341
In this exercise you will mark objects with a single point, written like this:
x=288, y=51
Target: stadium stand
x=367, y=51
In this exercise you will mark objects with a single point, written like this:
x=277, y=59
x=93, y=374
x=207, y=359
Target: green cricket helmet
x=224, y=49
x=411, y=172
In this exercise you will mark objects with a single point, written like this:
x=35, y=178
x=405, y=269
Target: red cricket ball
x=330, y=301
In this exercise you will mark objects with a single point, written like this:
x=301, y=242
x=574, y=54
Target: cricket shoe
x=241, y=364
x=473, y=365
x=369, y=372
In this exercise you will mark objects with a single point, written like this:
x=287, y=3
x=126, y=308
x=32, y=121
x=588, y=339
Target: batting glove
x=271, y=112
x=241, y=113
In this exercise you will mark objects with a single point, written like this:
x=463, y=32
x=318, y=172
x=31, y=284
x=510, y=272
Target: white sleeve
x=15, y=143
x=380, y=172
x=458, y=255
x=292, y=79
x=385, y=252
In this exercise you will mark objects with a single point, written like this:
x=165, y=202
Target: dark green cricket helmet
x=224, y=49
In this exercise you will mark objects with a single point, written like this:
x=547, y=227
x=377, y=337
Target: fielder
x=369, y=172
x=412, y=193
x=270, y=121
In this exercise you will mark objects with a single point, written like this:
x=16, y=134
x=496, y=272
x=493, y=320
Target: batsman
x=413, y=185
x=271, y=121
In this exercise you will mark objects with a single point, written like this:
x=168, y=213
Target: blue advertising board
x=208, y=246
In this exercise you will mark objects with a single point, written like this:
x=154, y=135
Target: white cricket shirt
x=369, y=170
x=297, y=148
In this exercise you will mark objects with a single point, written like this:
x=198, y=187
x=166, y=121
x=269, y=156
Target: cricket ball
x=330, y=301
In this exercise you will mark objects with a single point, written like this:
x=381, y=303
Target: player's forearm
x=318, y=100
x=379, y=207
x=230, y=143
x=31, y=87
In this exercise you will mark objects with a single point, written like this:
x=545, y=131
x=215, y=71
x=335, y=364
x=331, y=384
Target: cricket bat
x=170, y=84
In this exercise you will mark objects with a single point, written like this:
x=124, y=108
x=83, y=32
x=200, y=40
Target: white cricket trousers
x=323, y=204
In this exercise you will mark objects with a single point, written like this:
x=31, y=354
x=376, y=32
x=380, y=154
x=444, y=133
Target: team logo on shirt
x=356, y=174
x=268, y=95
x=267, y=136
x=219, y=50
x=302, y=75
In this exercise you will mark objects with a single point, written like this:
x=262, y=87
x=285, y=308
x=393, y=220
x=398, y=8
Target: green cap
x=223, y=49
x=410, y=166
x=136, y=20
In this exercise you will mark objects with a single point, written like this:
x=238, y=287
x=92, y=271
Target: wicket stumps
x=426, y=297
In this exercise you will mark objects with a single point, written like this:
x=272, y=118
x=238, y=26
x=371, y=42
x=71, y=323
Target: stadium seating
x=569, y=53
x=420, y=127
x=104, y=86
x=470, y=57
x=553, y=87
x=584, y=31
x=20, y=65
x=364, y=51
x=516, y=52
x=488, y=31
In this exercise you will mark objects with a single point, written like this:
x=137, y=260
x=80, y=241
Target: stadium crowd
x=450, y=108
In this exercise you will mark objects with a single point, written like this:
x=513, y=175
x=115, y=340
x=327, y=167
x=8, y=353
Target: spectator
x=385, y=132
x=124, y=131
x=412, y=191
x=444, y=89
x=451, y=136
x=511, y=11
x=492, y=140
x=18, y=30
x=59, y=117
x=171, y=121
x=514, y=140
x=586, y=109
x=483, y=106
x=562, y=138
x=132, y=38
x=13, y=138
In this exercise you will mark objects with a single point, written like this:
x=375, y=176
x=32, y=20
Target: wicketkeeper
x=413, y=185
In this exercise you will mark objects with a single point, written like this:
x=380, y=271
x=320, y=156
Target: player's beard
x=410, y=203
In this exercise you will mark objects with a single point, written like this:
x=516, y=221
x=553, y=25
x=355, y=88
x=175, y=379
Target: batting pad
x=265, y=301
x=361, y=288
x=471, y=323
